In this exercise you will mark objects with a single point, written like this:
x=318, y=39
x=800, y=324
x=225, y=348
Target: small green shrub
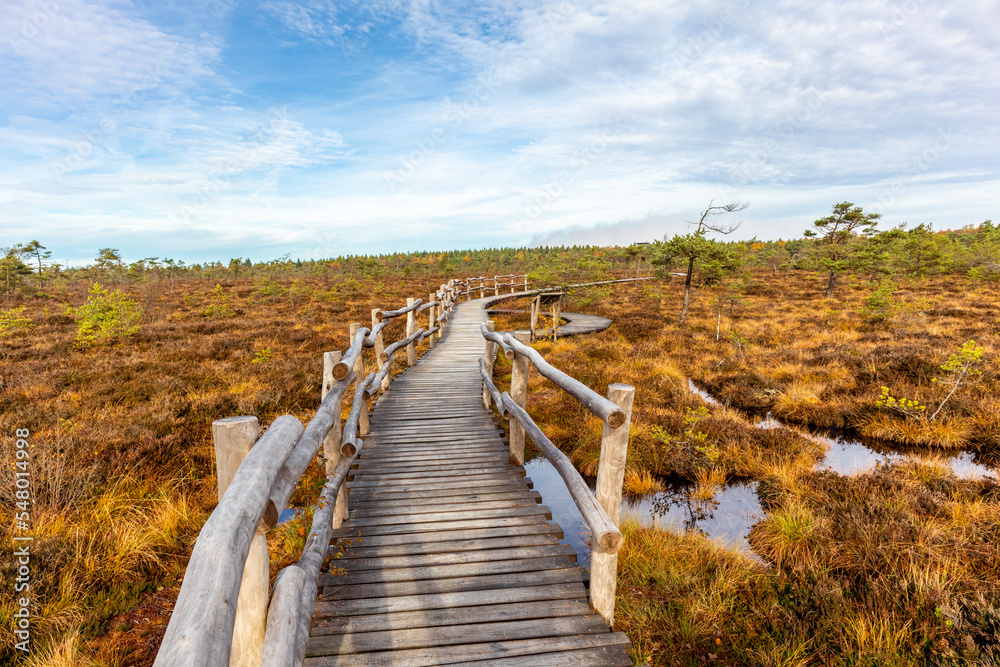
x=881, y=306
x=266, y=289
x=218, y=305
x=694, y=441
x=959, y=369
x=105, y=317
x=262, y=356
x=13, y=320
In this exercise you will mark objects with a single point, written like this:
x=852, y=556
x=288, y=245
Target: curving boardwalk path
x=448, y=556
x=576, y=323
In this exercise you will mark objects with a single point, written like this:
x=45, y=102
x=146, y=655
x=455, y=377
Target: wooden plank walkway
x=576, y=323
x=448, y=556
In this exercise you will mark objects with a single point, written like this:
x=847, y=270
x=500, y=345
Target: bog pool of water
x=735, y=508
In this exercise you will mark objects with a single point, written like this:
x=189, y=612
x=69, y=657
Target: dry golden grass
x=708, y=481
x=121, y=452
x=640, y=483
x=943, y=434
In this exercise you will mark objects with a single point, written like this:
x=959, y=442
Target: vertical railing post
x=430, y=319
x=610, y=475
x=411, y=326
x=519, y=393
x=556, y=318
x=496, y=286
x=359, y=371
x=534, y=315
x=379, y=349
x=331, y=444
x=491, y=353
x=525, y=282
x=233, y=438
x=512, y=288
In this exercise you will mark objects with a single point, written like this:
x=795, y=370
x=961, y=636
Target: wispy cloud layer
x=270, y=124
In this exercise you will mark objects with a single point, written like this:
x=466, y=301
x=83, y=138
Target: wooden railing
x=468, y=287
x=224, y=615
x=601, y=513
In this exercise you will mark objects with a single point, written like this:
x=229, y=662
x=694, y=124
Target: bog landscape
x=812, y=468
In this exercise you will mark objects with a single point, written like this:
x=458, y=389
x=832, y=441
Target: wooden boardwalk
x=448, y=556
x=576, y=323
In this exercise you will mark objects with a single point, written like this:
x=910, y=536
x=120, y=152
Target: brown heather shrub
x=121, y=446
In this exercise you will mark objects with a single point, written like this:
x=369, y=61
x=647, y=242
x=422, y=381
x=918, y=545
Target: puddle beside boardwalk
x=727, y=517
x=846, y=456
x=735, y=507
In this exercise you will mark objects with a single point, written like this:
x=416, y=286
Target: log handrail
x=294, y=597
x=375, y=331
x=383, y=371
x=351, y=443
x=201, y=625
x=201, y=629
x=497, y=338
x=601, y=407
x=385, y=314
x=401, y=343
x=351, y=356
x=603, y=529
x=305, y=450
x=602, y=510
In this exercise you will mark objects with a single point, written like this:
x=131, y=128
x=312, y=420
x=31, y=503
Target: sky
x=257, y=128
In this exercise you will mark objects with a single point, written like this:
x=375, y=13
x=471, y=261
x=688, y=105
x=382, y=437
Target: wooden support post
x=556, y=318
x=359, y=371
x=233, y=438
x=496, y=286
x=534, y=315
x=411, y=326
x=512, y=284
x=519, y=393
x=379, y=348
x=525, y=282
x=610, y=475
x=331, y=444
x=430, y=320
x=491, y=353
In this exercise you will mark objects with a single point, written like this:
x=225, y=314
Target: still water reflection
x=726, y=517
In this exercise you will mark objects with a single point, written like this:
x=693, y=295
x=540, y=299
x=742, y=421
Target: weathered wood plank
x=513, y=611
x=351, y=538
x=453, y=546
x=604, y=656
x=461, y=497
x=376, y=478
x=447, y=571
x=362, y=496
x=433, y=487
x=562, y=575
x=382, y=510
x=456, y=634
x=412, y=520
x=402, y=603
x=357, y=563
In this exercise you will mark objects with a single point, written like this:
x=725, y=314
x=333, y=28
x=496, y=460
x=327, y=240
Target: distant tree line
x=845, y=242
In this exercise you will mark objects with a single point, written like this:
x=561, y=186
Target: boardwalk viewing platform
x=442, y=552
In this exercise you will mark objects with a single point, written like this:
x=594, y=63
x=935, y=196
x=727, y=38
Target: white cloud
x=791, y=106
x=66, y=53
